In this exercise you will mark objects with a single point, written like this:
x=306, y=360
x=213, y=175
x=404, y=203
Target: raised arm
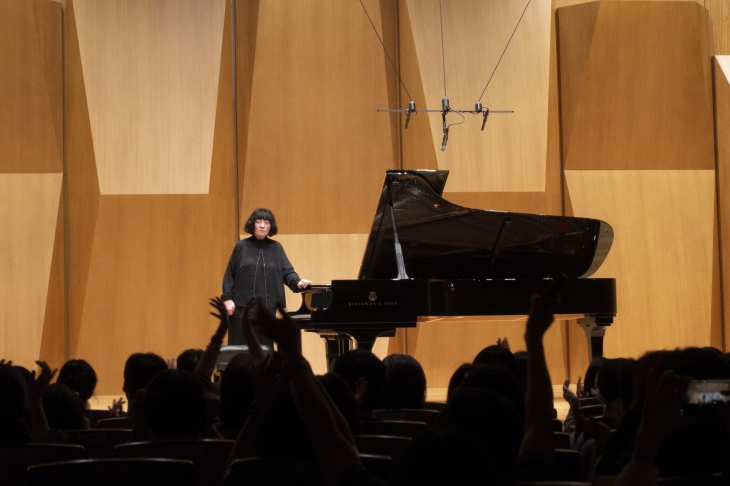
x=206, y=365
x=34, y=389
x=538, y=438
x=334, y=446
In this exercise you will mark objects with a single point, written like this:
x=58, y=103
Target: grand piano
x=428, y=259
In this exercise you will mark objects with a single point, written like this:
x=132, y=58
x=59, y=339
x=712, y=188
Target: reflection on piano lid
x=440, y=239
x=428, y=259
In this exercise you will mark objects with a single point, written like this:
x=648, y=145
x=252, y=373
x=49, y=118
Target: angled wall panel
x=32, y=311
x=638, y=153
x=151, y=176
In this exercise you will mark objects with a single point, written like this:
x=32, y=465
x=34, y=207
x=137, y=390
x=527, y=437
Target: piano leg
x=595, y=329
x=338, y=343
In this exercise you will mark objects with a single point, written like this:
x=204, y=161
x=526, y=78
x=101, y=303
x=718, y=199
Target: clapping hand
x=568, y=394
x=115, y=409
x=503, y=343
x=35, y=386
x=222, y=317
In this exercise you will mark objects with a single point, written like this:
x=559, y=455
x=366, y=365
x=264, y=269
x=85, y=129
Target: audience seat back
x=401, y=428
x=114, y=472
x=384, y=445
x=209, y=456
x=98, y=443
x=409, y=414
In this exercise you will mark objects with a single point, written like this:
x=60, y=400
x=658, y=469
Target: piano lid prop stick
x=402, y=275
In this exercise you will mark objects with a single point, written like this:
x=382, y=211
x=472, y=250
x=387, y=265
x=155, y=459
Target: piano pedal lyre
x=336, y=344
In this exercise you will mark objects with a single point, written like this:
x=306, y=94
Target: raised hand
x=35, y=386
x=170, y=363
x=568, y=394
x=222, y=317
x=580, y=390
x=503, y=343
x=116, y=408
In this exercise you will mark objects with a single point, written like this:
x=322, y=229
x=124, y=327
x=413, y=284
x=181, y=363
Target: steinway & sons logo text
x=372, y=301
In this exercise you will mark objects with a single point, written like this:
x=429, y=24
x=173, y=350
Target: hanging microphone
x=445, y=104
x=445, y=139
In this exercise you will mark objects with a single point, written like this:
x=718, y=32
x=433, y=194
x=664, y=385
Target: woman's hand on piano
x=303, y=284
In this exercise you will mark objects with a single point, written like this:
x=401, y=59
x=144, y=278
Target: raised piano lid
x=440, y=239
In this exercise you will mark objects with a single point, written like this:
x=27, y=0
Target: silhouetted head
x=490, y=418
x=405, y=383
x=365, y=375
x=139, y=370
x=236, y=390
x=79, y=376
x=457, y=378
x=64, y=409
x=497, y=355
x=261, y=213
x=500, y=380
x=174, y=405
x=188, y=359
x=344, y=399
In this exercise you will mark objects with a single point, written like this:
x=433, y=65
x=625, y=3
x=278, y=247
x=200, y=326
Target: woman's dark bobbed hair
x=261, y=213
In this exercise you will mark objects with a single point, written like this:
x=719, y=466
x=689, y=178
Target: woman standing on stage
x=258, y=268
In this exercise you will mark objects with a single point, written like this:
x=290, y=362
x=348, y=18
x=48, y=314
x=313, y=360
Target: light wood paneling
x=152, y=271
x=642, y=99
x=511, y=150
x=151, y=74
x=29, y=208
x=661, y=257
x=419, y=151
x=223, y=168
x=143, y=266
x=53, y=342
x=31, y=132
x=246, y=20
x=720, y=18
x=317, y=148
x=721, y=72
x=516, y=202
x=82, y=183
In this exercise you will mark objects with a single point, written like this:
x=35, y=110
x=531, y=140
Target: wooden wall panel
x=32, y=311
x=510, y=154
x=315, y=139
x=28, y=217
x=661, y=257
x=151, y=275
x=721, y=72
x=644, y=83
x=153, y=135
x=82, y=183
x=31, y=138
x=145, y=263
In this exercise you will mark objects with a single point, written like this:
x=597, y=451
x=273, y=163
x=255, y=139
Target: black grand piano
x=428, y=259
